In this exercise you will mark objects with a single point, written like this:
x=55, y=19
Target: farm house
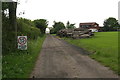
x=93, y=26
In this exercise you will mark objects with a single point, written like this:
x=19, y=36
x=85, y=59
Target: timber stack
x=75, y=33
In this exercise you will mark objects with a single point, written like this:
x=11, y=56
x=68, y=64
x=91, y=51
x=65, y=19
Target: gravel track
x=58, y=59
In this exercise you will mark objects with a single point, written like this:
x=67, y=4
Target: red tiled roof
x=88, y=23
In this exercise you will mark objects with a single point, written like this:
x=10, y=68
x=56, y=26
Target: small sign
x=22, y=42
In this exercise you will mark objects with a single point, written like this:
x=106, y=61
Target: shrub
x=28, y=30
x=25, y=27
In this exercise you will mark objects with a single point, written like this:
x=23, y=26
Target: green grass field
x=103, y=48
x=20, y=64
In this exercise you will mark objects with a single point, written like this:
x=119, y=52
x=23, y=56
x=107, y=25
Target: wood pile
x=75, y=33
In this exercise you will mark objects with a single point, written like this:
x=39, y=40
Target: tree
x=57, y=26
x=11, y=7
x=9, y=26
x=52, y=31
x=68, y=25
x=12, y=19
x=41, y=24
x=111, y=24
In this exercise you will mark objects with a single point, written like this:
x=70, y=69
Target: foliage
x=26, y=27
x=104, y=46
x=4, y=5
x=68, y=25
x=41, y=24
x=9, y=27
x=28, y=22
x=20, y=64
x=57, y=26
x=52, y=31
x=111, y=24
x=17, y=63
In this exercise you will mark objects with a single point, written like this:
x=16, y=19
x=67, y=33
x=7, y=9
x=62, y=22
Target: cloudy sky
x=75, y=11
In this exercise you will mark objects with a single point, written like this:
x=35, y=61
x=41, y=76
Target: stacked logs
x=75, y=33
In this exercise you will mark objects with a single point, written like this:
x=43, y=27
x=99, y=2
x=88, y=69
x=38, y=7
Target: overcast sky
x=75, y=11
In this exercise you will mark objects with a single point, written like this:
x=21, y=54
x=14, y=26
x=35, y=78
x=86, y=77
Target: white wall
x=94, y=30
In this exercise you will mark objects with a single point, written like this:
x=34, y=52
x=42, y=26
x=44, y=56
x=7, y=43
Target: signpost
x=22, y=42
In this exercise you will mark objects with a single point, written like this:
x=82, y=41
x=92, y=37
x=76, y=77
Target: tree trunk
x=12, y=20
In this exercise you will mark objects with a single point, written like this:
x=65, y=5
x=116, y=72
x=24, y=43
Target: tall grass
x=103, y=48
x=20, y=64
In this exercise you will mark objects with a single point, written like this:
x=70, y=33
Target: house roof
x=88, y=23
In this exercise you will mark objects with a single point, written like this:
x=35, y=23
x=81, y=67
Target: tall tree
x=68, y=25
x=9, y=26
x=58, y=26
x=111, y=24
x=41, y=24
x=12, y=14
x=12, y=19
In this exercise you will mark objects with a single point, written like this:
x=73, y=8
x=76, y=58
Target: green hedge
x=27, y=30
x=25, y=27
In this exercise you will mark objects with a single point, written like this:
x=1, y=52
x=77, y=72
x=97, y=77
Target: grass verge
x=20, y=64
x=103, y=46
x=53, y=34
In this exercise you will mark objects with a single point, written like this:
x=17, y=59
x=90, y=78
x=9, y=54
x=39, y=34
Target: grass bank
x=20, y=64
x=104, y=46
x=53, y=34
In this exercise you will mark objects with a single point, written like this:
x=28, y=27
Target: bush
x=25, y=27
x=27, y=30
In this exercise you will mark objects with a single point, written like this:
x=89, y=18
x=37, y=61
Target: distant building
x=93, y=26
x=47, y=31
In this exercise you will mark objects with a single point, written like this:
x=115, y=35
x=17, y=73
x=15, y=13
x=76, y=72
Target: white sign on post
x=22, y=42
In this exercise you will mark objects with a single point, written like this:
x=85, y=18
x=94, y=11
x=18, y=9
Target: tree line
x=110, y=24
x=60, y=25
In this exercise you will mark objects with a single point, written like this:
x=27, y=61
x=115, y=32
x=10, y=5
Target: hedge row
x=25, y=27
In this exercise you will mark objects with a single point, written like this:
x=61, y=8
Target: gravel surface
x=58, y=59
